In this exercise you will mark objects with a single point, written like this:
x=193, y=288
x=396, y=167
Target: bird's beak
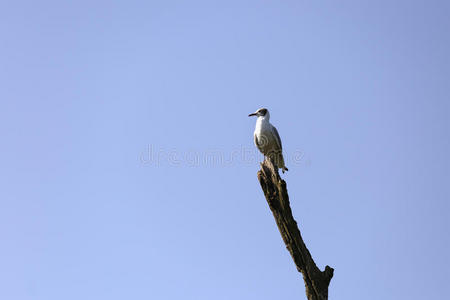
x=252, y=114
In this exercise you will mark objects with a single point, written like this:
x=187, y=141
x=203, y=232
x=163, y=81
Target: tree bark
x=275, y=191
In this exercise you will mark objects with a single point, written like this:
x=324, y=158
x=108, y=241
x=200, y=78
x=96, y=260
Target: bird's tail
x=277, y=158
x=280, y=163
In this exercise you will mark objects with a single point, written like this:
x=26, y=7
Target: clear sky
x=128, y=169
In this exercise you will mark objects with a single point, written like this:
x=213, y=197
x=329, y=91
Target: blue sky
x=128, y=165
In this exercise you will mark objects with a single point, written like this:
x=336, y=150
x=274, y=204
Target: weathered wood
x=275, y=191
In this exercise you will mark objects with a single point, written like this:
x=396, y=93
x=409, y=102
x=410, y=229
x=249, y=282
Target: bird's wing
x=255, y=139
x=277, y=137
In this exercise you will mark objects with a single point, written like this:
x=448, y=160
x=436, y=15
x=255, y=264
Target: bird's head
x=262, y=112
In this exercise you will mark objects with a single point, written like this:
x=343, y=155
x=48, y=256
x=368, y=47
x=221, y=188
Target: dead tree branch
x=275, y=191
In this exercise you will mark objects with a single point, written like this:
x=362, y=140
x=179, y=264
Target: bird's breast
x=265, y=138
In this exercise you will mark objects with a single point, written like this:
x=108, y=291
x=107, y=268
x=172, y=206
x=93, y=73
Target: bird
x=267, y=139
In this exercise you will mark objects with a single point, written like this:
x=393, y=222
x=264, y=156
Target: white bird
x=267, y=140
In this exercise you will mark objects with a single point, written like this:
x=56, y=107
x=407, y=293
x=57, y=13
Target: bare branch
x=275, y=191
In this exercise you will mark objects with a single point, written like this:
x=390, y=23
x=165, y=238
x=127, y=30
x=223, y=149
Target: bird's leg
x=272, y=157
